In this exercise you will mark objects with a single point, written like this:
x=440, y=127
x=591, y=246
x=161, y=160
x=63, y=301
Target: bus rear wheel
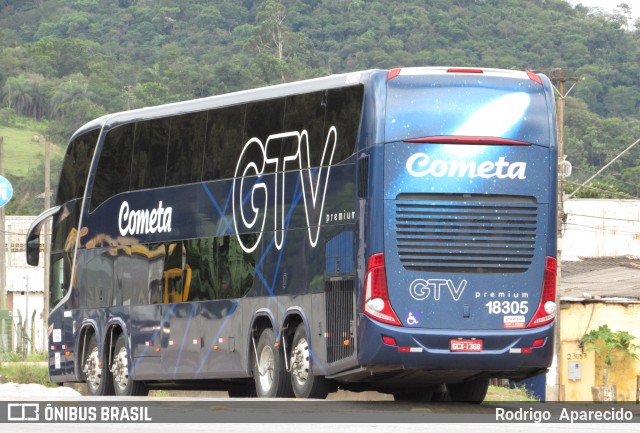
x=96, y=373
x=122, y=382
x=269, y=372
x=305, y=383
x=473, y=391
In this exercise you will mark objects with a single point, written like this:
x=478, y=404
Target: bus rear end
x=462, y=284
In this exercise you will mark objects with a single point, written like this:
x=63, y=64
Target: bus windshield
x=466, y=105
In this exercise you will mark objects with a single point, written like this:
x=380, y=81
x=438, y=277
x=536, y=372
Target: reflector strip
x=196, y=341
x=172, y=342
x=410, y=349
x=148, y=343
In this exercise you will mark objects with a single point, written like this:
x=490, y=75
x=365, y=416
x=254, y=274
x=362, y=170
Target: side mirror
x=33, y=250
x=33, y=236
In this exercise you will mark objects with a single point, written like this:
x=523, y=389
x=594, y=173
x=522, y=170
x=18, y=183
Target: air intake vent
x=339, y=298
x=363, y=178
x=477, y=234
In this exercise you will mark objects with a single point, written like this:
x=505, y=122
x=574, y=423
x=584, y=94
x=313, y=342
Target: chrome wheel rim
x=120, y=369
x=266, y=368
x=300, y=365
x=92, y=371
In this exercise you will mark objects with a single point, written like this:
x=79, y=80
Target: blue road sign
x=6, y=191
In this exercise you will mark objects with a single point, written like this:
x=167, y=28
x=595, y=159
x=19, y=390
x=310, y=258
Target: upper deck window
x=466, y=105
x=75, y=167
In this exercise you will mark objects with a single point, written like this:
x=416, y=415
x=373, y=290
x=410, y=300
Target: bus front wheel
x=122, y=382
x=305, y=383
x=269, y=372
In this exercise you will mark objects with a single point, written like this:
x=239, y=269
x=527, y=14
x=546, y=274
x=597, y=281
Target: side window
x=186, y=147
x=263, y=119
x=344, y=108
x=150, y=154
x=225, y=139
x=307, y=112
x=216, y=268
x=75, y=167
x=114, y=166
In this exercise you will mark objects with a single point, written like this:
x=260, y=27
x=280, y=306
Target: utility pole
x=47, y=238
x=3, y=261
x=559, y=78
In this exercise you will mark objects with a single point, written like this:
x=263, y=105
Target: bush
x=7, y=117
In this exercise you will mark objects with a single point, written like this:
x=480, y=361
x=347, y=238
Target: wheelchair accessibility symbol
x=411, y=320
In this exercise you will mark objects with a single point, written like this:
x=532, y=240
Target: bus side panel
x=146, y=336
x=221, y=341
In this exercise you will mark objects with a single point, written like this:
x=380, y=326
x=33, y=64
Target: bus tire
x=414, y=394
x=305, y=384
x=96, y=372
x=473, y=391
x=122, y=382
x=269, y=372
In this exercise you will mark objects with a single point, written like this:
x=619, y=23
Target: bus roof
x=227, y=99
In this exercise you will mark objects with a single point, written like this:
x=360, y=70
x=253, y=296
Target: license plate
x=465, y=345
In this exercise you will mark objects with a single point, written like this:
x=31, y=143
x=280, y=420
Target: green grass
x=21, y=373
x=501, y=394
x=17, y=357
x=20, y=151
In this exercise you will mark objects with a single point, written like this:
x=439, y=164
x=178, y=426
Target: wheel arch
x=115, y=328
x=87, y=330
x=261, y=320
x=292, y=319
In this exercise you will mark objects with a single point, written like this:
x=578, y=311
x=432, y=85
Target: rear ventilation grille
x=363, y=180
x=339, y=298
x=477, y=234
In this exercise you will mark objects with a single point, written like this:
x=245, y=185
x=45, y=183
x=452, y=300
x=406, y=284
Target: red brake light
x=376, y=295
x=546, y=312
x=460, y=139
x=393, y=73
x=465, y=71
x=534, y=77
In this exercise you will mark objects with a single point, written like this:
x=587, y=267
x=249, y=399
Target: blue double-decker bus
x=381, y=230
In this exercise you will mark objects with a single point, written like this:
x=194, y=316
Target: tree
x=69, y=92
x=17, y=94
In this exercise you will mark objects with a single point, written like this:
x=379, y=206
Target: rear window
x=475, y=105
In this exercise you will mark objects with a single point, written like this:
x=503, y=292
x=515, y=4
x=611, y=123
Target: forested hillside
x=67, y=61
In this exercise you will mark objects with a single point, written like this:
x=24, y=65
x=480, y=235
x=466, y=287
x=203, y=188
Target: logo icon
x=23, y=412
x=421, y=289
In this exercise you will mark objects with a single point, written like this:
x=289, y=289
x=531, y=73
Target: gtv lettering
x=420, y=165
x=422, y=289
x=251, y=196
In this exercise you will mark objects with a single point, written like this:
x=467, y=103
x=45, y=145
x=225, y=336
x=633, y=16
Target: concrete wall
x=601, y=228
x=576, y=319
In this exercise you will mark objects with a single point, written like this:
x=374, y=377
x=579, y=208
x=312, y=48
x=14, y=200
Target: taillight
x=546, y=311
x=534, y=77
x=376, y=294
x=466, y=139
x=465, y=71
x=393, y=73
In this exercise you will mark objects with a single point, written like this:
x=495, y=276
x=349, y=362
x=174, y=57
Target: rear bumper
x=429, y=350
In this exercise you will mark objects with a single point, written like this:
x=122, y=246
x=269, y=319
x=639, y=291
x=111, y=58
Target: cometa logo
x=144, y=221
x=420, y=165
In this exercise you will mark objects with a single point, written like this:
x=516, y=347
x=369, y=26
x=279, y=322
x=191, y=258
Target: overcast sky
x=611, y=5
